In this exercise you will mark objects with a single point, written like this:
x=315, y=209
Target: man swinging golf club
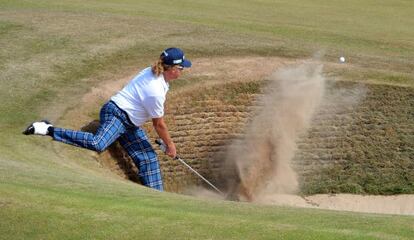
x=123, y=115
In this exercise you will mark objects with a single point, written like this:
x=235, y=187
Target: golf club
x=164, y=149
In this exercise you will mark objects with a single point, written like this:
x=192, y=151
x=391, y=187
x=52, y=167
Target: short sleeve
x=154, y=105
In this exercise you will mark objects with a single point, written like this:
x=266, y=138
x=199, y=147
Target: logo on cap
x=175, y=56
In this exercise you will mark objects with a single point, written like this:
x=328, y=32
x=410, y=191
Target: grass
x=126, y=211
x=54, y=51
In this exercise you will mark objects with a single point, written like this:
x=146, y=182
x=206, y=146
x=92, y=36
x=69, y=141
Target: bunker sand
x=397, y=204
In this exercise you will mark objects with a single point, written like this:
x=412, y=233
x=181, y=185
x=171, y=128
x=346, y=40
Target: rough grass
x=54, y=51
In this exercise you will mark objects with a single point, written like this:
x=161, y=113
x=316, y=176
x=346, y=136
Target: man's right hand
x=162, y=130
x=171, y=150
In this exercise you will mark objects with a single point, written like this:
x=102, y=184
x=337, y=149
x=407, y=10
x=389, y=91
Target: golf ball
x=342, y=59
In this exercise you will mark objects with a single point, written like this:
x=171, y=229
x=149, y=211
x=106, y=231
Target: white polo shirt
x=143, y=97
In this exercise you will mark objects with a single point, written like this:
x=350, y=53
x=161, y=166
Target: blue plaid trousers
x=115, y=125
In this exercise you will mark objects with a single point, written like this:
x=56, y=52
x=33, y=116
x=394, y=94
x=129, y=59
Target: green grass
x=55, y=51
x=126, y=211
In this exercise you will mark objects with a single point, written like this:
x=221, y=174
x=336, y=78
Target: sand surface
x=396, y=204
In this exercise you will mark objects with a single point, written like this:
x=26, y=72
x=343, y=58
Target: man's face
x=173, y=72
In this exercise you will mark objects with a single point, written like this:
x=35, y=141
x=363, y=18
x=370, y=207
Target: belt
x=126, y=114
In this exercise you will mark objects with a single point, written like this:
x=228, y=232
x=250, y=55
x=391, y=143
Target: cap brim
x=186, y=63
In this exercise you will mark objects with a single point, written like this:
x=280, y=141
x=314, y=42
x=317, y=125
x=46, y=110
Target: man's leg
x=106, y=134
x=136, y=143
x=111, y=127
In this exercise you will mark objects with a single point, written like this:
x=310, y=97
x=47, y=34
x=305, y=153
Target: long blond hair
x=159, y=67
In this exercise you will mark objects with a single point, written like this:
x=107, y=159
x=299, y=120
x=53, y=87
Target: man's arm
x=161, y=128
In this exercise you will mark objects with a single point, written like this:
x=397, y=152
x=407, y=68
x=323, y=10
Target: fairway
x=61, y=60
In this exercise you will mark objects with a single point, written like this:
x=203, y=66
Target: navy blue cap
x=175, y=56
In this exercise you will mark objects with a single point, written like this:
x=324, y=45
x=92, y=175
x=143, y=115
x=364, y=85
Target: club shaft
x=198, y=174
x=164, y=148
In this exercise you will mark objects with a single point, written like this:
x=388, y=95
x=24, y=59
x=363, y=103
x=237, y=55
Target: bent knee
x=99, y=146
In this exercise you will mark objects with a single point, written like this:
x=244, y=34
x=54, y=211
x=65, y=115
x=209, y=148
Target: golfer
x=123, y=115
